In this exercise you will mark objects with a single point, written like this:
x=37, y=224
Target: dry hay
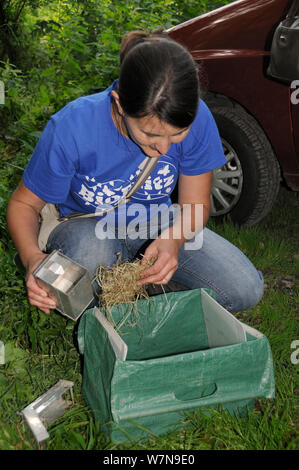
x=118, y=284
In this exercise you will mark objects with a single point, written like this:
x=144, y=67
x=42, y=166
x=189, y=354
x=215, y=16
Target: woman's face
x=153, y=136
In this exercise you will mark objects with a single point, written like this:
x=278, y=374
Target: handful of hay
x=118, y=283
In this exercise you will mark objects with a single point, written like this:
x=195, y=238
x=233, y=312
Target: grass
x=42, y=349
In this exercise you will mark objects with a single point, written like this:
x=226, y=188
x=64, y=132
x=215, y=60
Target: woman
x=89, y=156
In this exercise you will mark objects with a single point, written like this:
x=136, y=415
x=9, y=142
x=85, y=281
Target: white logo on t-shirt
x=158, y=185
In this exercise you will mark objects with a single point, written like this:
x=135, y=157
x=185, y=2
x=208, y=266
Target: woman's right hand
x=36, y=295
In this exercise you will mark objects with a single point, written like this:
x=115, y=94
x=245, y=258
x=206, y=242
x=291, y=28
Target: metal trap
x=48, y=408
x=67, y=282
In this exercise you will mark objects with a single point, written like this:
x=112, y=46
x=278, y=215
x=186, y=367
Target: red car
x=257, y=116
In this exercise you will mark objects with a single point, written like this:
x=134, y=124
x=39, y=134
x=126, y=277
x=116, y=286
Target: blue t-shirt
x=83, y=163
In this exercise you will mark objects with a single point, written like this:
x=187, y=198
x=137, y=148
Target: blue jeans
x=218, y=264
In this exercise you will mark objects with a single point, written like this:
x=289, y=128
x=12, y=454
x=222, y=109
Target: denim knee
x=248, y=293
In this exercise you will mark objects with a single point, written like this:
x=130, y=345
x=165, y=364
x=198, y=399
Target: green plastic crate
x=175, y=353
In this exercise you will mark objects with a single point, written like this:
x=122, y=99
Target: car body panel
x=233, y=44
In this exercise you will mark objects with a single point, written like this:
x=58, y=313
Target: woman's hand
x=165, y=251
x=36, y=295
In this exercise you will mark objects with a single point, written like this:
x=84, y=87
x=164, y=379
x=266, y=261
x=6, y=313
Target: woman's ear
x=116, y=99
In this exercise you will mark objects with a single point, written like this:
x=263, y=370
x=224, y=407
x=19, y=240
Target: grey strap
x=150, y=163
x=147, y=167
x=293, y=10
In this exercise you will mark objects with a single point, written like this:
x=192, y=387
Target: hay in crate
x=118, y=285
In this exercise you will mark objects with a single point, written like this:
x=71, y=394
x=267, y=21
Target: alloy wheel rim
x=227, y=183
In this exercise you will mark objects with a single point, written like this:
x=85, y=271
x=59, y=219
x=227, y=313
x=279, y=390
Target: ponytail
x=131, y=39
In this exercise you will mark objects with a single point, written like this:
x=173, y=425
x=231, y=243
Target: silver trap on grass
x=48, y=408
x=67, y=282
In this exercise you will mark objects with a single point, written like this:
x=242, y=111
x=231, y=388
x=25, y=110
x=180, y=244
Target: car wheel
x=245, y=188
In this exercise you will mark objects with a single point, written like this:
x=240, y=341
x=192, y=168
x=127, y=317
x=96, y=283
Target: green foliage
x=15, y=37
x=192, y=8
x=61, y=50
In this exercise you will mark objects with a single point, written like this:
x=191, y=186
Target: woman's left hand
x=166, y=254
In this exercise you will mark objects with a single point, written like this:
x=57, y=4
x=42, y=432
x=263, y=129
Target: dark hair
x=157, y=77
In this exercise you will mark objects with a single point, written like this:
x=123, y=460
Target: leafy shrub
x=69, y=50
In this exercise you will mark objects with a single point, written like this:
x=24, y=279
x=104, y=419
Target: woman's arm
x=195, y=191
x=194, y=199
x=23, y=224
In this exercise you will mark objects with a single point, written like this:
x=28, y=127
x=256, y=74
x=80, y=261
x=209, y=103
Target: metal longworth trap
x=48, y=408
x=67, y=282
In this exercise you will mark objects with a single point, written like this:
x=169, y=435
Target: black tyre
x=245, y=188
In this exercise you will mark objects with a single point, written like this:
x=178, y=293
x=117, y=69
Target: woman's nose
x=163, y=146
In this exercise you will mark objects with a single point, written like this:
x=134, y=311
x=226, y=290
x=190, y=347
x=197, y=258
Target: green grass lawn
x=41, y=349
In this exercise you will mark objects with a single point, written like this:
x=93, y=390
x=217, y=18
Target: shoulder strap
x=147, y=166
x=293, y=9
